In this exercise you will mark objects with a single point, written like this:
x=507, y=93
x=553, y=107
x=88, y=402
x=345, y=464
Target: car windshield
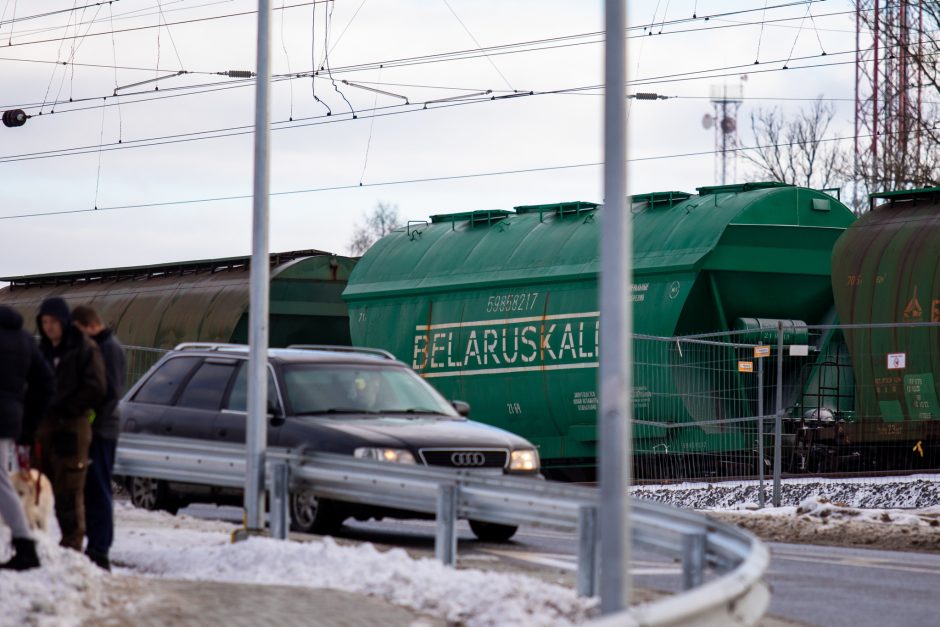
x=354, y=389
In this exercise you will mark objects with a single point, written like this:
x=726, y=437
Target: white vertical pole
x=615, y=376
x=256, y=434
x=760, y=432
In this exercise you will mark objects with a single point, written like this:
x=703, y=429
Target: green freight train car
x=159, y=306
x=499, y=308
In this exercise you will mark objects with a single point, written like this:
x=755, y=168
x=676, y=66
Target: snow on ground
x=67, y=588
x=889, y=513
x=885, y=492
x=179, y=547
x=897, y=513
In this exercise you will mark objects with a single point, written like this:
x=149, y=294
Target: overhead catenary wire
x=701, y=74
x=427, y=179
x=704, y=18
x=206, y=88
x=434, y=58
x=479, y=47
x=128, y=15
x=114, y=58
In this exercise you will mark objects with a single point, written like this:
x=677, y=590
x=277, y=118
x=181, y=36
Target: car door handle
x=168, y=428
x=223, y=433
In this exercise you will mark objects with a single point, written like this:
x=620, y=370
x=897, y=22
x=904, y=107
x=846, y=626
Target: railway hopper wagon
x=499, y=308
x=160, y=306
x=878, y=407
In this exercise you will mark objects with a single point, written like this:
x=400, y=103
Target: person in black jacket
x=99, y=504
x=26, y=385
x=64, y=435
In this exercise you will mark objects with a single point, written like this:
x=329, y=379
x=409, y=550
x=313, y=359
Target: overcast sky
x=403, y=142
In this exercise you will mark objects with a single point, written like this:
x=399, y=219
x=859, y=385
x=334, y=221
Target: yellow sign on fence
x=761, y=351
x=745, y=366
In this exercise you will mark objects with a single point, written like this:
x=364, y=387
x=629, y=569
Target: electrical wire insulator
x=648, y=96
x=14, y=117
x=239, y=74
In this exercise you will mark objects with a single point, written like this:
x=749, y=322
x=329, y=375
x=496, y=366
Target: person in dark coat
x=64, y=435
x=99, y=503
x=26, y=385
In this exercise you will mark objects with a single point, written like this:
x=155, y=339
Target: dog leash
x=22, y=459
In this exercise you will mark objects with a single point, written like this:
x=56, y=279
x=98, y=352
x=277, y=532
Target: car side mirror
x=274, y=414
x=462, y=407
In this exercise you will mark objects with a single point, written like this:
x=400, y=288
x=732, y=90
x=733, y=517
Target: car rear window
x=161, y=387
x=207, y=387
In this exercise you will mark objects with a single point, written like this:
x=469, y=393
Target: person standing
x=99, y=503
x=64, y=435
x=26, y=385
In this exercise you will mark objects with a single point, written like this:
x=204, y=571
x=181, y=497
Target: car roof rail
x=209, y=346
x=345, y=349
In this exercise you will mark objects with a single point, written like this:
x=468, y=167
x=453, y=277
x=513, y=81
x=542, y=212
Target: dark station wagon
x=359, y=402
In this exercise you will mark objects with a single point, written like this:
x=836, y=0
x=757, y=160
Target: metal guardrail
x=736, y=596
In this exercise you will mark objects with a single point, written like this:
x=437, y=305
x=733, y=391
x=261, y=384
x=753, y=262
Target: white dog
x=26, y=483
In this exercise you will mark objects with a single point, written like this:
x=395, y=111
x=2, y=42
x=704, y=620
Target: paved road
x=812, y=585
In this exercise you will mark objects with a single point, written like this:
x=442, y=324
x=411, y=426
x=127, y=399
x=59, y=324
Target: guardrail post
x=445, y=541
x=693, y=560
x=280, y=489
x=587, y=551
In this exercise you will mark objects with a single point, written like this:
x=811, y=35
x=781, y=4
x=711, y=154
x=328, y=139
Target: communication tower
x=889, y=88
x=726, y=100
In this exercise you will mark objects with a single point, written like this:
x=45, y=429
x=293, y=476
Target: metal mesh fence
x=695, y=402
x=139, y=361
x=852, y=400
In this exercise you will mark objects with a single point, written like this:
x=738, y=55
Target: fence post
x=280, y=490
x=587, y=550
x=778, y=429
x=445, y=540
x=760, y=432
x=693, y=560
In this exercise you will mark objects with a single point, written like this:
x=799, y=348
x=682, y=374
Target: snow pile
x=881, y=493
x=183, y=548
x=65, y=590
x=825, y=510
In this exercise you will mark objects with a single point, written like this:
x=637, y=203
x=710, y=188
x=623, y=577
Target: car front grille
x=465, y=458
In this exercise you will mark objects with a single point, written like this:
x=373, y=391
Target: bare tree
x=794, y=149
x=378, y=223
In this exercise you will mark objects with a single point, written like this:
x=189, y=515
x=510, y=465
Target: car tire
x=492, y=532
x=151, y=494
x=308, y=514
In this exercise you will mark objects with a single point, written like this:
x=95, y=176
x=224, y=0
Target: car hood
x=415, y=431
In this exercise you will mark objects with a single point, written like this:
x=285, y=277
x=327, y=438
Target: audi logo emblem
x=467, y=459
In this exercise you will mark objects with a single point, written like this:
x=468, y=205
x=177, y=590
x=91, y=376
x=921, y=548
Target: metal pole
x=587, y=551
x=760, y=432
x=778, y=430
x=280, y=491
x=445, y=538
x=693, y=560
x=256, y=433
x=615, y=376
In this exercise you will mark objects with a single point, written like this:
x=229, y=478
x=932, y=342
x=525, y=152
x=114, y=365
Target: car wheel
x=492, y=532
x=151, y=494
x=308, y=514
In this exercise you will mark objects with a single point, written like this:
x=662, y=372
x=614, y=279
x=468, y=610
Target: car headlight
x=524, y=460
x=399, y=455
